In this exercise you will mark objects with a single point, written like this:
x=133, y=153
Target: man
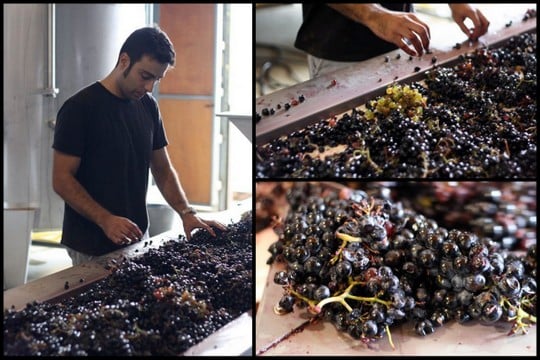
x=106, y=138
x=335, y=35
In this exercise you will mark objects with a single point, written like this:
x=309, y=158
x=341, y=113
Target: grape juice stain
x=287, y=335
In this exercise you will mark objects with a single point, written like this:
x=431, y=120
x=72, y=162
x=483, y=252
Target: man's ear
x=124, y=61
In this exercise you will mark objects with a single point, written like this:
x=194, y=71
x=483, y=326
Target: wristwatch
x=188, y=210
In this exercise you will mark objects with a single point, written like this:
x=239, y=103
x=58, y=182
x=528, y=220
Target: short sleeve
x=160, y=138
x=69, y=130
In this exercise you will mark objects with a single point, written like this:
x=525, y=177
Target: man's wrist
x=187, y=210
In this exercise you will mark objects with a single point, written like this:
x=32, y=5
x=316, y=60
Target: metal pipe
x=51, y=89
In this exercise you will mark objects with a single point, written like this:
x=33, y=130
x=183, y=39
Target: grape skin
x=475, y=120
x=158, y=303
x=435, y=284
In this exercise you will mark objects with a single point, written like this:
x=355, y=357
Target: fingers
x=218, y=225
x=414, y=37
x=480, y=22
x=130, y=238
x=481, y=25
x=464, y=28
x=422, y=30
x=412, y=45
x=210, y=230
x=406, y=48
x=125, y=240
x=126, y=232
x=132, y=232
x=208, y=225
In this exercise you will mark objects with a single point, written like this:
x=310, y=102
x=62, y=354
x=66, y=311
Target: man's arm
x=168, y=183
x=167, y=180
x=462, y=12
x=66, y=185
x=391, y=26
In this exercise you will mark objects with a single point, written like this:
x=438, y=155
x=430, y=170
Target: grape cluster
x=476, y=119
x=402, y=99
x=366, y=263
x=503, y=211
x=159, y=303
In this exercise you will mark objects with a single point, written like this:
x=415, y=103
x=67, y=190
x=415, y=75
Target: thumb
x=463, y=27
x=210, y=230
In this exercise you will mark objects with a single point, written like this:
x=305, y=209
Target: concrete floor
x=46, y=260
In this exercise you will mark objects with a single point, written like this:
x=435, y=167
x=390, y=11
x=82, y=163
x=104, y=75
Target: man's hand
x=462, y=12
x=405, y=30
x=192, y=222
x=121, y=230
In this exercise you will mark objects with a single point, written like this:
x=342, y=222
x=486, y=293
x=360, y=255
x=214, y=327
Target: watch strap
x=188, y=210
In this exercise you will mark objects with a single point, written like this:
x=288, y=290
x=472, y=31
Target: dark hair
x=150, y=41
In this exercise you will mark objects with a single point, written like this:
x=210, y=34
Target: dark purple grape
x=343, y=269
x=313, y=265
x=427, y=258
x=369, y=328
x=426, y=271
x=424, y=327
x=281, y=278
x=321, y=293
x=474, y=283
x=509, y=285
x=286, y=303
x=515, y=268
x=491, y=312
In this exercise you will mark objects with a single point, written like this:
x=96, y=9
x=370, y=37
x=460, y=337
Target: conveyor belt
x=235, y=338
x=334, y=93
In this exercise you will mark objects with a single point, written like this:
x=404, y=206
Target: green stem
x=346, y=239
x=390, y=337
x=346, y=295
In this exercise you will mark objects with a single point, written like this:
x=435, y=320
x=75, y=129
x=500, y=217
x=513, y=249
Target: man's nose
x=149, y=86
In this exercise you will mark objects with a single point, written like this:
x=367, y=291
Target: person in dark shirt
x=107, y=137
x=334, y=35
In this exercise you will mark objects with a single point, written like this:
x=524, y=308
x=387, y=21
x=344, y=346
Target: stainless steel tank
x=25, y=40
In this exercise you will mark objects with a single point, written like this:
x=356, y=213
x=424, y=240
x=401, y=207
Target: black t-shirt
x=327, y=34
x=114, y=138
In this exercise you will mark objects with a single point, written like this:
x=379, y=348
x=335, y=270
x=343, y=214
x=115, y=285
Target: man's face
x=141, y=77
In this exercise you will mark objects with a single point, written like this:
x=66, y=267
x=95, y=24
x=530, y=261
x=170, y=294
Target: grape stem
x=346, y=239
x=518, y=319
x=390, y=337
x=317, y=308
x=347, y=295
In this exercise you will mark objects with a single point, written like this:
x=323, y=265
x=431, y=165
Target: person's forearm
x=365, y=14
x=76, y=196
x=169, y=185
